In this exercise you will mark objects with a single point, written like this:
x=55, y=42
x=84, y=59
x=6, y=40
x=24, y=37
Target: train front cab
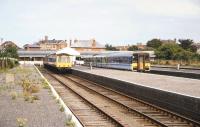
x=64, y=63
x=141, y=62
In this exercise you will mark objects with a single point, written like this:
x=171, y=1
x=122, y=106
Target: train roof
x=114, y=53
x=68, y=51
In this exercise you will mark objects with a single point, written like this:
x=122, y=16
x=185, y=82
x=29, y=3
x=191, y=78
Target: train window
x=135, y=58
x=98, y=60
x=125, y=60
x=79, y=58
x=121, y=60
x=103, y=60
x=63, y=58
x=115, y=60
x=51, y=59
x=146, y=57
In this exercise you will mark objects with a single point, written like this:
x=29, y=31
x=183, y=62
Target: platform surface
x=183, y=86
x=175, y=70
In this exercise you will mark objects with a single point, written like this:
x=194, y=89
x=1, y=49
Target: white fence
x=31, y=62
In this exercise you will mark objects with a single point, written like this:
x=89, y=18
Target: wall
x=184, y=105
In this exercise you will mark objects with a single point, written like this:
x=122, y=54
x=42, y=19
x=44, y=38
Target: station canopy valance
x=69, y=51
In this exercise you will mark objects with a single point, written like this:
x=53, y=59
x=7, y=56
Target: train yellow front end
x=61, y=61
x=141, y=62
x=64, y=61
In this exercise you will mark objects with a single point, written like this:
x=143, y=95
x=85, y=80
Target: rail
x=94, y=106
x=179, y=120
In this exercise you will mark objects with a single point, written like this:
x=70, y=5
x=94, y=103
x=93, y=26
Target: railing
x=31, y=62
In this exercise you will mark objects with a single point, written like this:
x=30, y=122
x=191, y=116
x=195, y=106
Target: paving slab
x=180, y=85
x=39, y=113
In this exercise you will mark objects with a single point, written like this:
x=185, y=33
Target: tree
x=168, y=51
x=11, y=51
x=187, y=44
x=133, y=48
x=193, y=48
x=6, y=53
x=110, y=47
x=154, y=43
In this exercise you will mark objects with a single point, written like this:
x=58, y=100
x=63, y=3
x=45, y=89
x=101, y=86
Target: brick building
x=87, y=45
x=122, y=48
x=140, y=46
x=46, y=44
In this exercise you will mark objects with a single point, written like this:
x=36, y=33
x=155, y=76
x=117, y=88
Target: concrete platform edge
x=67, y=111
x=181, y=104
x=178, y=74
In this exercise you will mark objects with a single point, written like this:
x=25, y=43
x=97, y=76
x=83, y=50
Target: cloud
x=168, y=7
x=107, y=20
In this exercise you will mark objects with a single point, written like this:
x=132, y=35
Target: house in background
x=32, y=47
x=122, y=48
x=8, y=43
x=46, y=44
x=198, y=47
x=87, y=45
x=35, y=53
x=169, y=41
x=54, y=44
x=140, y=46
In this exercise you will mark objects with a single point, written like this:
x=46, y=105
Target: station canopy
x=69, y=51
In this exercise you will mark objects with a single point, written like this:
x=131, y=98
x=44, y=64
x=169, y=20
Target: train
x=61, y=61
x=126, y=60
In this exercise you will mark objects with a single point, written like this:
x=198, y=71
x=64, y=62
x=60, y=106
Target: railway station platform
x=193, y=73
x=178, y=94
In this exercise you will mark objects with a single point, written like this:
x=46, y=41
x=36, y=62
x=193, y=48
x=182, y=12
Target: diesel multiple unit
x=134, y=61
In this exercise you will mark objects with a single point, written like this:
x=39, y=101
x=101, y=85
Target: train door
x=140, y=62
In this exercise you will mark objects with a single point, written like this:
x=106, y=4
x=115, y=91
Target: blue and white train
x=126, y=60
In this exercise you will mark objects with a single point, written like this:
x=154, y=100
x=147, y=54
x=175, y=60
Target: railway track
x=155, y=114
x=117, y=109
x=86, y=112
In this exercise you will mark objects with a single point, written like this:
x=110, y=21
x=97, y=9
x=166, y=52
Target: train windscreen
x=63, y=59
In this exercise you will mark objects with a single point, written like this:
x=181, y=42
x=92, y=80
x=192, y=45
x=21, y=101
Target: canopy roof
x=68, y=51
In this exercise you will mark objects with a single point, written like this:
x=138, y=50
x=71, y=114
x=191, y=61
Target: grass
x=62, y=109
x=34, y=89
x=33, y=98
x=3, y=70
x=58, y=101
x=21, y=122
x=45, y=85
x=14, y=95
x=28, y=89
x=69, y=122
x=27, y=96
x=6, y=87
x=54, y=97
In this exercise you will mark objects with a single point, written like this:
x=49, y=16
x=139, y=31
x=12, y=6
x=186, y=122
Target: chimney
x=93, y=43
x=46, y=38
x=70, y=43
x=75, y=40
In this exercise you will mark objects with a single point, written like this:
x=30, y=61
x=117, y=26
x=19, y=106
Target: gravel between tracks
x=41, y=113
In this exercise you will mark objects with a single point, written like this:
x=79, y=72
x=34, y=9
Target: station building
x=46, y=44
x=87, y=45
x=33, y=57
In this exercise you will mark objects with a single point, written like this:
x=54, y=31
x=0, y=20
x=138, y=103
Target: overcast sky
x=117, y=22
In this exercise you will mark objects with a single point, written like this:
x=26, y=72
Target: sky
x=117, y=22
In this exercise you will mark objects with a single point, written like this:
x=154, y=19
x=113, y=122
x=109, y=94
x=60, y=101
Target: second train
x=126, y=60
